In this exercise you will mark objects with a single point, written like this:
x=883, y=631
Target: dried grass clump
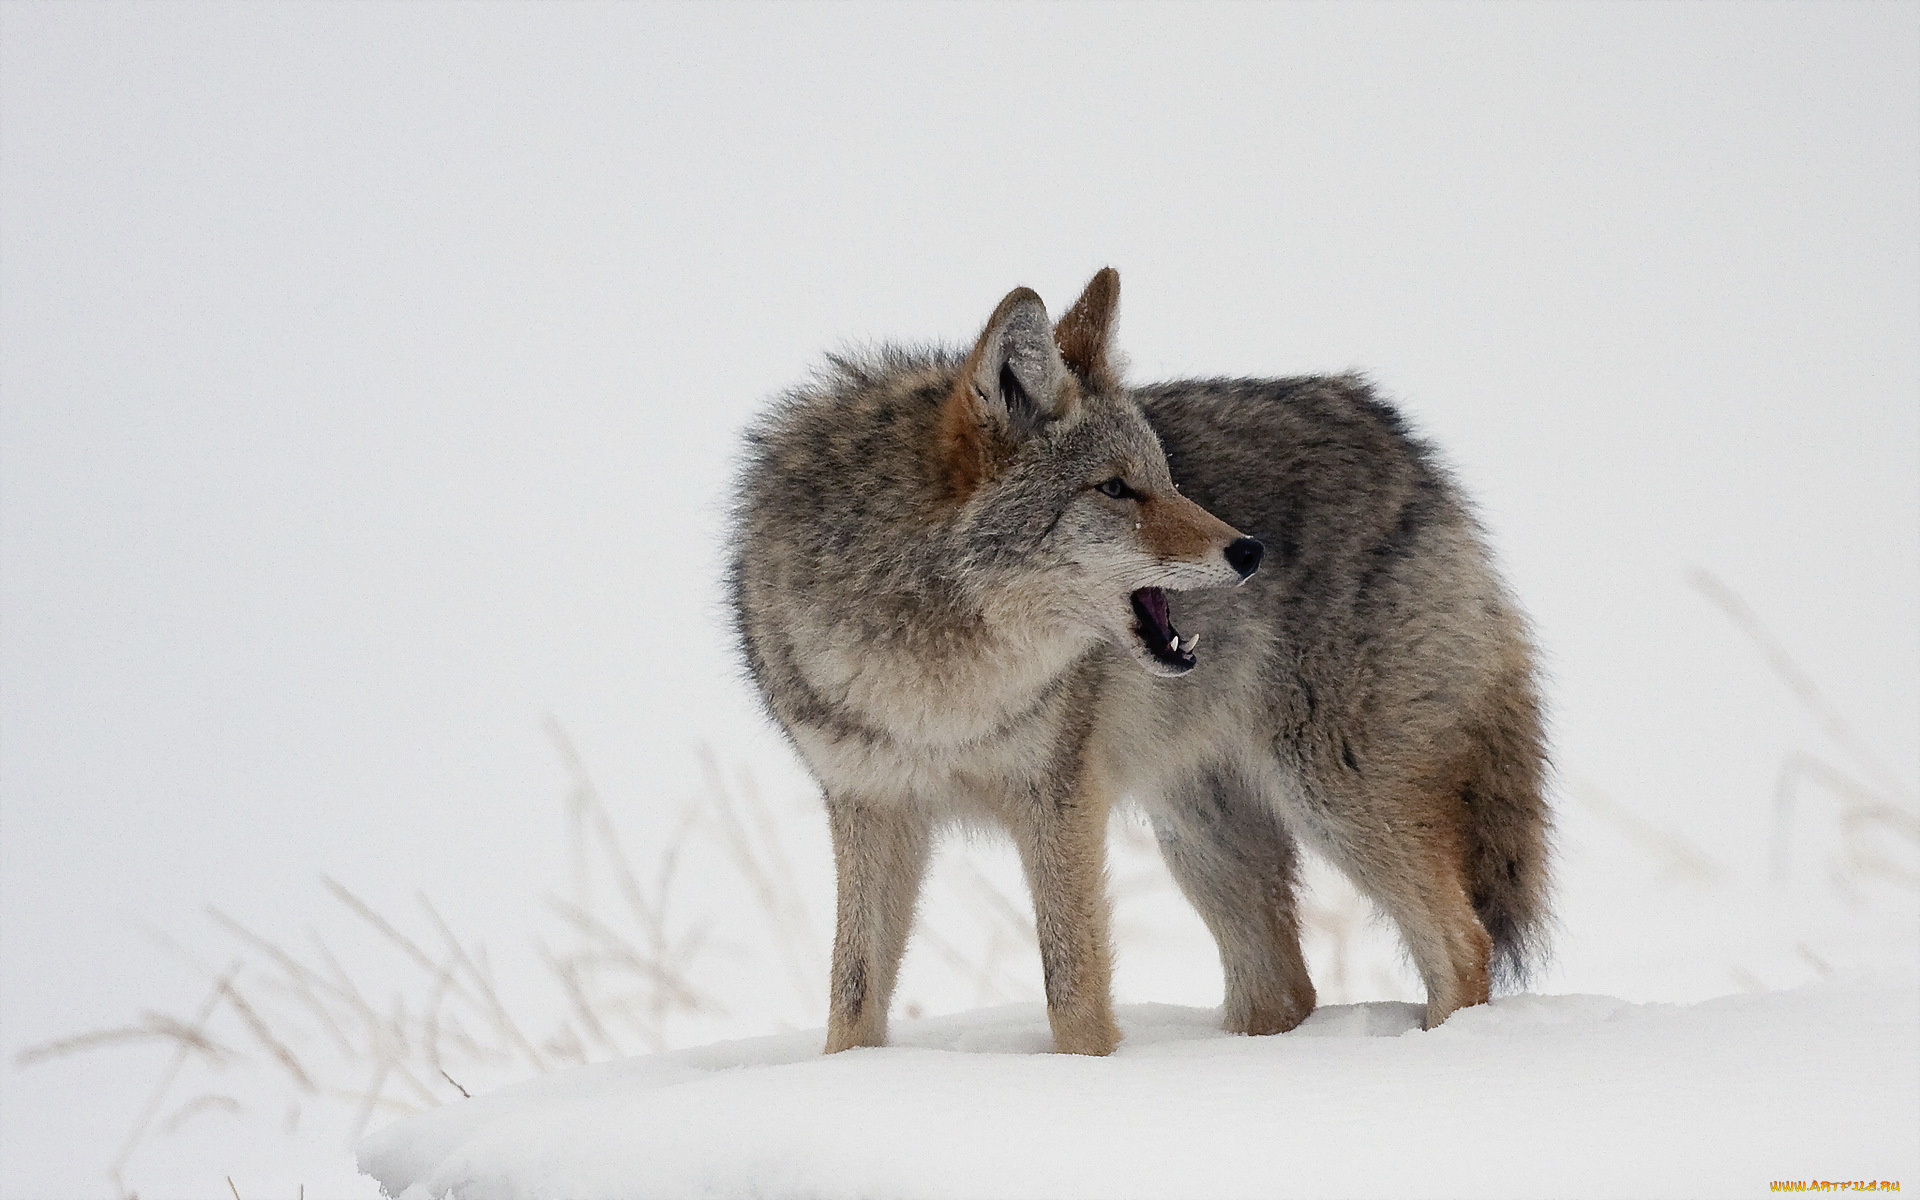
x=1877, y=819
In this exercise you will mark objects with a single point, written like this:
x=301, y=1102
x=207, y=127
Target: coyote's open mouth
x=1155, y=629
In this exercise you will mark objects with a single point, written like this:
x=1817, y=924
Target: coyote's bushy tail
x=1508, y=830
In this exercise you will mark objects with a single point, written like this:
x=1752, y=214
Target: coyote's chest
x=924, y=721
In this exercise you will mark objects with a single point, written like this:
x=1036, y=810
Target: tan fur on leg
x=880, y=854
x=1419, y=878
x=1063, y=846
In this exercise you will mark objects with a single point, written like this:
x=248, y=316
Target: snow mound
x=1528, y=1096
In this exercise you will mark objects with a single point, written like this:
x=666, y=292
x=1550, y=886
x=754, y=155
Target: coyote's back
x=970, y=584
x=1389, y=669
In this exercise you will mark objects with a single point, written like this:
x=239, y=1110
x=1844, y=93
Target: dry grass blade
x=772, y=845
x=764, y=867
x=673, y=985
x=1338, y=926
x=1798, y=772
x=580, y=799
x=1794, y=676
x=989, y=985
x=1017, y=923
x=159, y=1094
x=284, y=1056
x=583, y=804
x=386, y=928
x=1820, y=965
x=1882, y=807
x=567, y=971
x=388, y=1035
x=308, y=984
x=1679, y=857
x=298, y=988
x=199, y=1104
x=669, y=867
x=154, y=1027
x=494, y=1008
x=430, y=1020
x=370, y=1097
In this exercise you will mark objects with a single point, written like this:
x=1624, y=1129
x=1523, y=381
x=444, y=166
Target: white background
x=372, y=374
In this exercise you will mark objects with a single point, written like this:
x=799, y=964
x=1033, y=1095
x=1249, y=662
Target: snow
x=1532, y=1095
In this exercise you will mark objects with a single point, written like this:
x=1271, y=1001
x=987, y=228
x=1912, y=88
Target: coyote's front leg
x=879, y=854
x=1063, y=847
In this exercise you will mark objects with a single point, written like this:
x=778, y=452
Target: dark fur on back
x=1361, y=521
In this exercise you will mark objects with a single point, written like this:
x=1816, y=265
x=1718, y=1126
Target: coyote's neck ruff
x=956, y=581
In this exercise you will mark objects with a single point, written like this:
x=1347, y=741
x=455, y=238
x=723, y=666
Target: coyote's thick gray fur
x=951, y=568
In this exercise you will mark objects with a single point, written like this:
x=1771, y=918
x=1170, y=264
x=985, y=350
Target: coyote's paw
x=1270, y=1014
x=1096, y=1036
x=851, y=1036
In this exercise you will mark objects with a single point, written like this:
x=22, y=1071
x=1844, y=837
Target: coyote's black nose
x=1243, y=555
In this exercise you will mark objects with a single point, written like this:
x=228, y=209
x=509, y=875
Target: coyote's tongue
x=1151, y=605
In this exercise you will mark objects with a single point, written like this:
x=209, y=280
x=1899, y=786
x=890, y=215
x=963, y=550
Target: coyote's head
x=1066, y=499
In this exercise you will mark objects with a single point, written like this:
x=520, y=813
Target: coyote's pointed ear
x=1011, y=386
x=1085, y=334
x=1015, y=371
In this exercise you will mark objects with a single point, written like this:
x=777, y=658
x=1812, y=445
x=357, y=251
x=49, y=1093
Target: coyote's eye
x=1117, y=488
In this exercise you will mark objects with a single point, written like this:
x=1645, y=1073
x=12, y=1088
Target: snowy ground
x=1531, y=1096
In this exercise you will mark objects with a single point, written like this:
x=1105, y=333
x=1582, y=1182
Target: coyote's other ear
x=1011, y=386
x=1085, y=334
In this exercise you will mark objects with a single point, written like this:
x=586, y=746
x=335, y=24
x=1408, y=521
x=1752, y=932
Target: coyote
x=972, y=586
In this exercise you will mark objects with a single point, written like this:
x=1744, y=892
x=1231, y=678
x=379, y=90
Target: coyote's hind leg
x=1413, y=865
x=1236, y=862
